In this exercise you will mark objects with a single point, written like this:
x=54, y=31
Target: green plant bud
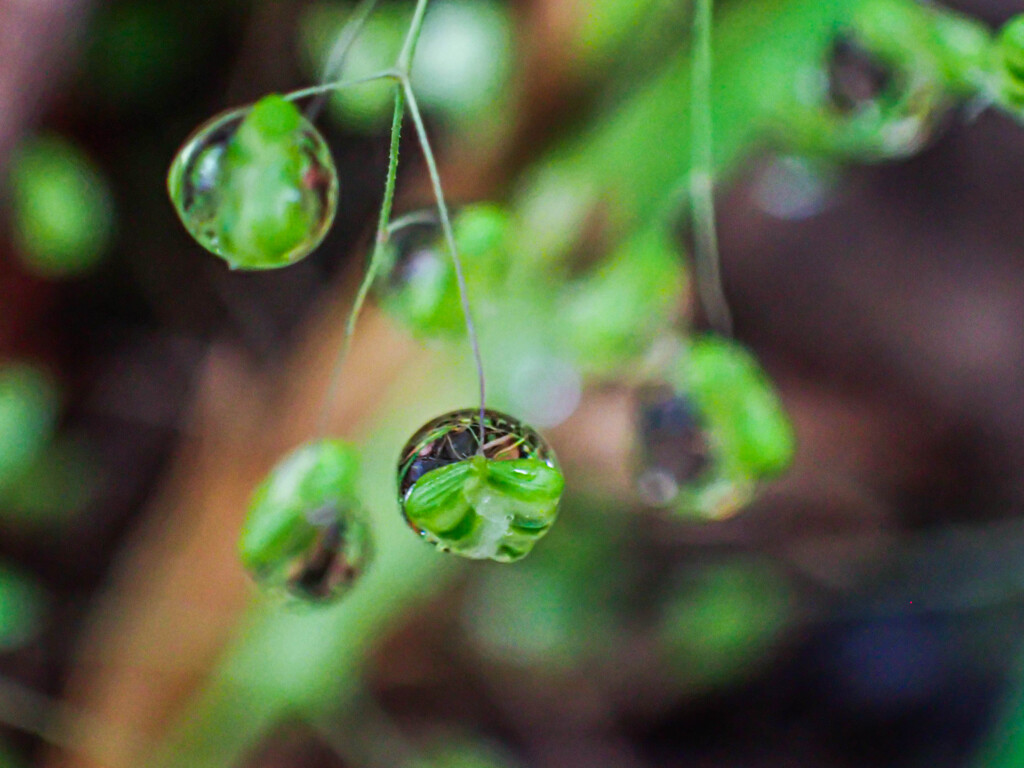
x=417, y=282
x=612, y=316
x=712, y=433
x=482, y=500
x=1011, y=46
x=884, y=85
x=1011, y=60
x=62, y=208
x=256, y=186
x=304, y=533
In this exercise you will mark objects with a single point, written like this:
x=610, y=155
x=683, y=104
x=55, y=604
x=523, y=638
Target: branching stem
x=449, y=236
x=339, y=52
x=404, y=96
x=379, y=241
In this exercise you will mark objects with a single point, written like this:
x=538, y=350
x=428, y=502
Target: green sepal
x=264, y=223
x=486, y=509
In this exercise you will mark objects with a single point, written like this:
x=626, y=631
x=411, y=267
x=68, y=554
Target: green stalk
x=702, y=188
x=379, y=241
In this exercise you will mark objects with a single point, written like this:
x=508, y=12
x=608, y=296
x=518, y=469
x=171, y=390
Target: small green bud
x=482, y=500
x=612, y=316
x=417, y=282
x=304, y=532
x=712, y=433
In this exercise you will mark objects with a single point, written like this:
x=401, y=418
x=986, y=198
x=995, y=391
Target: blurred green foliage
x=460, y=72
x=722, y=620
x=62, y=209
x=22, y=607
x=621, y=174
x=29, y=405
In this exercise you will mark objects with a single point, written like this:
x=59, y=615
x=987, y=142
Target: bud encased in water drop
x=304, y=532
x=256, y=186
x=490, y=500
x=712, y=433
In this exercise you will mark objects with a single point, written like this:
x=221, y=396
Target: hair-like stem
x=339, y=51
x=404, y=96
x=324, y=88
x=449, y=236
x=379, y=242
x=411, y=220
x=702, y=189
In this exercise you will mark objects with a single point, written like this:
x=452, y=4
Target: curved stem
x=339, y=51
x=315, y=90
x=449, y=236
x=702, y=190
x=379, y=241
x=411, y=220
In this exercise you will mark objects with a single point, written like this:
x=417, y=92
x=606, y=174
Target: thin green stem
x=339, y=51
x=379, y=241
x=449, y=236
x=702, y=188
x=411, y=220
x=412, y=37
x=315, y=90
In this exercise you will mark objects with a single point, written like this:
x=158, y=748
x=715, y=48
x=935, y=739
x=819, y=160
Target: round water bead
x=304, y=532
x=256, y=186
x=712, y=433
x=479, y=493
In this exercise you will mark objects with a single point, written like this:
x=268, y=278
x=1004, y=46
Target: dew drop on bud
x=256, y=186
x=711, y=433
x=482, y=500
x=305, y=534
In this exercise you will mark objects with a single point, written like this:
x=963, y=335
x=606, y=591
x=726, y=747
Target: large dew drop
x=482, y=500
x=305, y=534
x=712, y=433
x=256, y=186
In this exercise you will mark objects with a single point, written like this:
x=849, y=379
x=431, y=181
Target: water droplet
x=794, y=188
x=856, y=78
x=491, y=498
x=711, y=433
x=304, y=533
x=256, y=186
